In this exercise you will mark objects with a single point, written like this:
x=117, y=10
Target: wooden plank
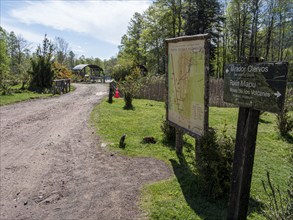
x=248, y=120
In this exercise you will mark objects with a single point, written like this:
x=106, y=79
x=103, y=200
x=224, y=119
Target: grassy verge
x=179, y=197
x=19, y=95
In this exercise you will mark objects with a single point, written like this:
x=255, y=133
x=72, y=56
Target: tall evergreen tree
x=42, y=73
x=204, y=16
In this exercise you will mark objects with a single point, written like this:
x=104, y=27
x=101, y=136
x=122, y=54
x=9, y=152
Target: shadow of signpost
x=201, y=204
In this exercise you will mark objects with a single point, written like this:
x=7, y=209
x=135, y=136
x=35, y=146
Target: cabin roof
x=82, y=66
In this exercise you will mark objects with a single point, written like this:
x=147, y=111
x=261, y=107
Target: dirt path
x=52, y=168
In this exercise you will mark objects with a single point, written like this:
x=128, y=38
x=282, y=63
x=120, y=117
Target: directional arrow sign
x=259, y=86
x=277, y=94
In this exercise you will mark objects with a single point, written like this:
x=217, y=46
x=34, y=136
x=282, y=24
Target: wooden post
x=179, y=141
x=197, y=149
x=243, y=163
x=247, y=125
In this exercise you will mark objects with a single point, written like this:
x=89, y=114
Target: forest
x=238, y=29
x=19, y=64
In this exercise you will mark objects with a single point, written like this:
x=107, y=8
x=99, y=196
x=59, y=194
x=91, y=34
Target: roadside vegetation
x=17, y=94
x=25, y=74
x=181, y=196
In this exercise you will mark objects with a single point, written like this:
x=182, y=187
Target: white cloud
x=78, y=49
x=104, y=20
x=29, y=35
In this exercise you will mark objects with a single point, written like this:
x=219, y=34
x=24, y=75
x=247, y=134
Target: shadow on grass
x=168, y=144
x=129, y=108
x=201, y=204
x=171, y=144
x=288, y=138
x=264, y=121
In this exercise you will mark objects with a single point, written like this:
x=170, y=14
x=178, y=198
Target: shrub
x=5, y=88
x=121, y=70
x=61, y=71
x=280, y=204
x=169, y=133
x=129, y=87
x=284, y=119
x=215, y=164
x=111, y=92
x=290, y=190
x=76, y=78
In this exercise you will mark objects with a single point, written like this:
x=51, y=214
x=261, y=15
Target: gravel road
x=52, y=167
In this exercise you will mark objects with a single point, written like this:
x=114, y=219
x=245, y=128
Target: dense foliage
x=61, y=71
x=42, y=72
x=215, y=164
x=51, y=60
x=238, y=29
x=284, y=118
x=130, y=87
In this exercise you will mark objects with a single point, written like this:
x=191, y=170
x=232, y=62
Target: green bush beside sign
x=260, y=86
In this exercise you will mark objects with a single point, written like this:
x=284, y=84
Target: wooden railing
x=61, y=86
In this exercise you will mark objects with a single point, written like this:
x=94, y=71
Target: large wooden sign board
x=259, y=86
x=187, y=81
x=254, y=87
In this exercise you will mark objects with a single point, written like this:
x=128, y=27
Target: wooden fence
x=61, y=86
x=154, y=88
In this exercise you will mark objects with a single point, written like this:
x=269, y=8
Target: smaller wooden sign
x=260, y=86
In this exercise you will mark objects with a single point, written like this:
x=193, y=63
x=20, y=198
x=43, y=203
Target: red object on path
x=117, y=93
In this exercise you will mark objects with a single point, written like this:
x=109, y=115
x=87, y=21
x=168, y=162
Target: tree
x=204, y=16
x=4, y=61
x=255, y=9
x=109, y=66
x=23, y=60
x=42, y=73
x=19, y=52
x=13, y=50
x=131, y=46
x=71, y=59
x=61, y=49
x=4, y=58
x=158, y=27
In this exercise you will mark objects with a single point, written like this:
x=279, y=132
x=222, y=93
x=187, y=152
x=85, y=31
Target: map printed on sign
x=260, y=86
x=186, y=84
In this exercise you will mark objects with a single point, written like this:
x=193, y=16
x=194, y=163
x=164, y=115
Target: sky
x=92, y=28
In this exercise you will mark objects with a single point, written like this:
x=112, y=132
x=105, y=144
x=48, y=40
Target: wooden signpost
x=254, y=87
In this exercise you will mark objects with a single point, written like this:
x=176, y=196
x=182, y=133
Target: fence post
x=179, y=141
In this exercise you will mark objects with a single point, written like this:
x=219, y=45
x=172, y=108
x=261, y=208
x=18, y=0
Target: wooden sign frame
x=190, y=40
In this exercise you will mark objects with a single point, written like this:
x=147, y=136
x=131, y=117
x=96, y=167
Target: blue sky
x=91, y=27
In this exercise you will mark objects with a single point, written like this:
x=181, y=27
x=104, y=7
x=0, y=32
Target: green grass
x=179, y=197
x=19, y=95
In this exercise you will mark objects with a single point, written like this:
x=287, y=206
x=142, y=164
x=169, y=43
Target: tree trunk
x=179, y=18
x=238, y=34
